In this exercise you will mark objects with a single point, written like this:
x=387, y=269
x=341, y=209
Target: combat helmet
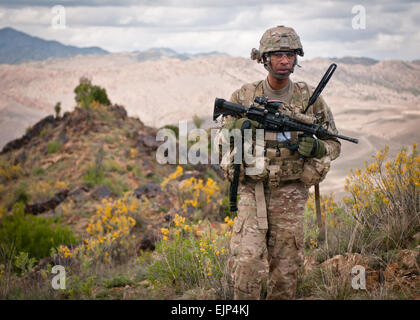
x=277, y=39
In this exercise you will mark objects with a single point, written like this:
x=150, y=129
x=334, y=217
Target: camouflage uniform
x=272, y=253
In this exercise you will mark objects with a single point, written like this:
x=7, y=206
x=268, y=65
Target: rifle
x=271, y=119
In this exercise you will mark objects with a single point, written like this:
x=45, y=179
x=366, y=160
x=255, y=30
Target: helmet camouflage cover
x=277, y=39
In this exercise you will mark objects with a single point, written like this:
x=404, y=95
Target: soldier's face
x=282, y=61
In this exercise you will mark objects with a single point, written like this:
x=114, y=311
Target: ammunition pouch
x=277, y=168
x=280, y=164
x=281, y=170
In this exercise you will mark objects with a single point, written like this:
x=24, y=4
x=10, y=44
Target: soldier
x=267, y=240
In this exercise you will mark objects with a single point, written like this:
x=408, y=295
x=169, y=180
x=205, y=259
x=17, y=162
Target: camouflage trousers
x=268, y=256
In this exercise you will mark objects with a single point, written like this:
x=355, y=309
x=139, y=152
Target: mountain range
x=17, y=46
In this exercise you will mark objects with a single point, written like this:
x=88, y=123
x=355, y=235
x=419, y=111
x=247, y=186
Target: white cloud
x=230, y=26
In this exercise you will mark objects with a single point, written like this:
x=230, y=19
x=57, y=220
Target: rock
x=50, y=160
x=391, y=271
x=408, y=259
x=74, y=218
x=78, y=192
x=119, y=111
x=150, y=190
x=50, y=204
x=66, y=115
x=190, y=174
x=148, y=166
x=145, y=283
x=148, y=242
x=63, y=138
x=101, y=192
x=147, y=143
x=343, y=264
x=20, y=158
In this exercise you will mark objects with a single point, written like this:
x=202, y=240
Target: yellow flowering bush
x=177, y=173
x=64, y=252
x=191, y=255
x=44, y=190
x=134, y=153
x=381, y=213
x=196, y=194
x=336, y=222
x=8, y=171
x=109, y=231
x=67, y=207
x=384, y=197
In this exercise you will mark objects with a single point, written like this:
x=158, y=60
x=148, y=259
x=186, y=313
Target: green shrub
x=54, y=146
x=178, y=265
x=118, y=281
x=116, y=185
x=113, y=165
x=37, y=171
x=94, y=177
x=21, y=193
x=32, y=234
x=24, y=263
x=79, y=288
x=86, y=93
x=57, y=109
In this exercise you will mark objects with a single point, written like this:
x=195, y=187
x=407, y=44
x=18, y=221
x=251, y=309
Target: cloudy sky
x=391, y=29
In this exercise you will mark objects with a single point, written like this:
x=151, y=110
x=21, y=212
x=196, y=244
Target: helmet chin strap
x=267, y=66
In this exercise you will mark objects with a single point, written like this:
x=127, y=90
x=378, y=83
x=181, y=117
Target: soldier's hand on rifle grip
x=311, y=148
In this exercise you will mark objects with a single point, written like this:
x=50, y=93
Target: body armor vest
x=281, y=164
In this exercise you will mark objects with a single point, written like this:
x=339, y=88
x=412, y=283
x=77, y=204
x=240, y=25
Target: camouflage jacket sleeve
x=235, y=99
x=324, y=116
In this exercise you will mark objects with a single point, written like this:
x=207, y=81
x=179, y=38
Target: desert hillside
x=375, y=102
x=84, y=191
